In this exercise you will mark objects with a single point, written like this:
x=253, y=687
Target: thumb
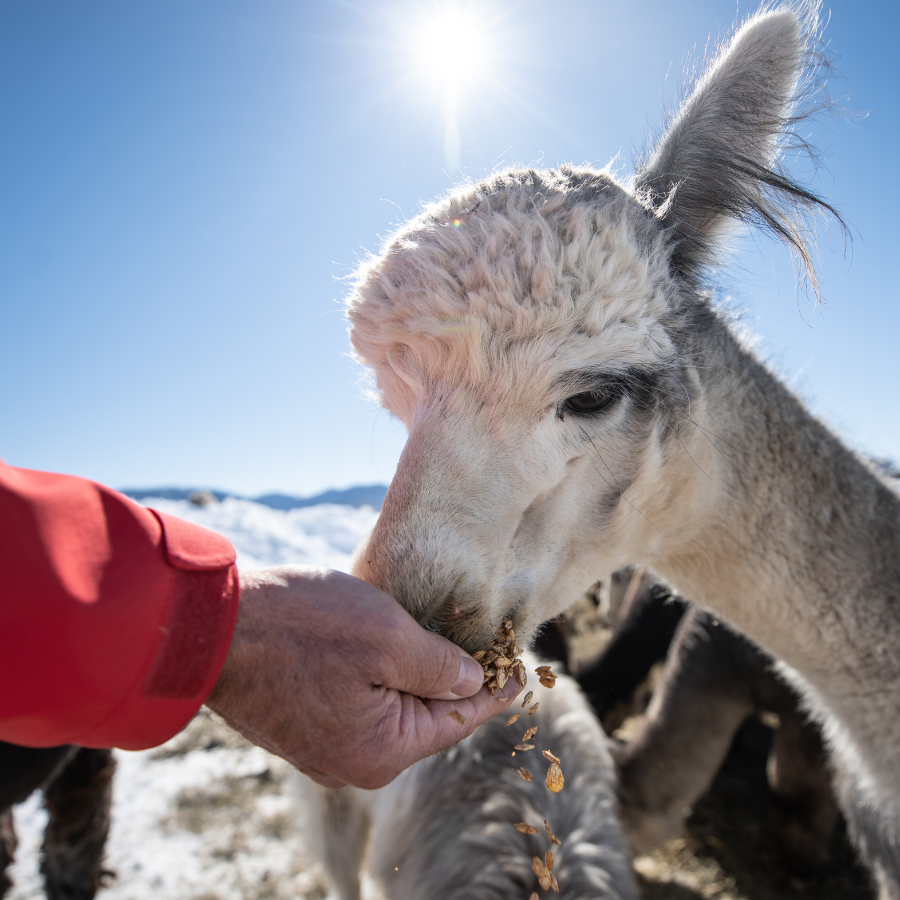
x=428, y=665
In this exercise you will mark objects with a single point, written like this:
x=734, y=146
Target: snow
x=323, y=535
x=207, y=816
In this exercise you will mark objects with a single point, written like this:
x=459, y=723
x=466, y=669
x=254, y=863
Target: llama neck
x=799, y=544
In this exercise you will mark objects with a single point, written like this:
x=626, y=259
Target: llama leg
x=704, y=697
x=805, y=812
x=8, y=844
x=347, y=826
x=336, y=826
x=25, y=769
x=78, y=801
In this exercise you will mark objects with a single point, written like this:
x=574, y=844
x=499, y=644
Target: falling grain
x=555, y=780
x=526, y=774
x=553, y=838
x=525, y=828
x=546, y=676
x=543, y=874
x=533, y=709
x=529, y=734
x=527, y=699
x=512, y=720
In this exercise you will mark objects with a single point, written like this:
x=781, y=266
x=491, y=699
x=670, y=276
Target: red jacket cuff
x=115, y=621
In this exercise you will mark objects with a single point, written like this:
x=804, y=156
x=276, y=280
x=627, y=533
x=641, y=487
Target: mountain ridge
x=356, y=496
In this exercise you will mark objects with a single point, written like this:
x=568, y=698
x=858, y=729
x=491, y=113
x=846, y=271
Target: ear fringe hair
x=737, y=185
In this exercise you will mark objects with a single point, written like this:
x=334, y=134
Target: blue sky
x=184, y=185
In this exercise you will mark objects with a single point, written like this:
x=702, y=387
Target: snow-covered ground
x=323, y=535
x=207, y=816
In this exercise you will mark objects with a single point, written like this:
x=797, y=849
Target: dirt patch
x=226, y=801
x=206, y=731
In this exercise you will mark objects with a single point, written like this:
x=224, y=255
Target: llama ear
x=717, y=161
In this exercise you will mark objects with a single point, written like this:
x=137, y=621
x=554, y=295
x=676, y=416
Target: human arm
x=114, y=620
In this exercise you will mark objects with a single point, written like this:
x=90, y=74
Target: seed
x=524, y=746
x=544, y=670
x=548, y=860
x=512, y=720
x=500, y=659
x=527, y=699
x=539, y=869
x=553, y=838
x=520, y=673
x=555, y=780
x=547, y=681
x=525, y=828
x=554, y=883
x=550, y=756
x=456, y=716
x=533, y=709
x=526, y=774
x=529, y=734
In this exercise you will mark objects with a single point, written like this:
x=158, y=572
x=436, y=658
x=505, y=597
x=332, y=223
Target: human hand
x=326, y=671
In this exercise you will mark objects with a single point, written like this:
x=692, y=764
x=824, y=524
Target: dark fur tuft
x=720, y=158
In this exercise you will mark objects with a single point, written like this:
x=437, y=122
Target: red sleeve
x=115, y=620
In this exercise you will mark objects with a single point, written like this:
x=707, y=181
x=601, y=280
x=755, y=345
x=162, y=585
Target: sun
x=451, y=46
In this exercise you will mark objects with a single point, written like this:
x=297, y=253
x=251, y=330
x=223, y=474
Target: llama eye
x=591, y=401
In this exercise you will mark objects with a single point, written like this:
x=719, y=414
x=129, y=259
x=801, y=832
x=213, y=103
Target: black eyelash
x=589, y=403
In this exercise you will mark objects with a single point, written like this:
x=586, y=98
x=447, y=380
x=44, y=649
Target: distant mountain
x=172, y=493
x=361, y=495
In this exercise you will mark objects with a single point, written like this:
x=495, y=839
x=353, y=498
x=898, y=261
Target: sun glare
x=451, y=47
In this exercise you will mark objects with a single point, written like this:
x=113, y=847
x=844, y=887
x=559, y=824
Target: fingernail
x=470, y=678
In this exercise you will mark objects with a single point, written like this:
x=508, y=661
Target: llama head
x=538, y=335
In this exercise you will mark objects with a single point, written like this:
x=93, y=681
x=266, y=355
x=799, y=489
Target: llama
x=575, y=403
x=444, y=830
x=713, y=680
x=77, y=786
